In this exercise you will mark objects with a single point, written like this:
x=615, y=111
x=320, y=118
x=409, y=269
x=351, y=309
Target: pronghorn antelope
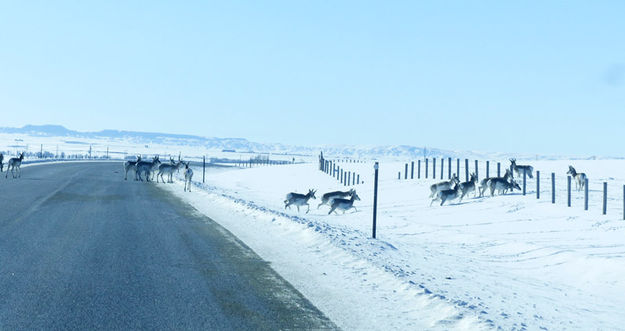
x=520, y=169
x=445, y=195
x=484, y=182
x=327, y=198
x=502, y=186
x=188, y=176
x=580, y=178
x=445, y=185
x=470, y=186
x=15, y=164
x=131, y=165
x=343, y=204
x=1, y=164
x=299, y=199
x=147, y=168
x=168, y=169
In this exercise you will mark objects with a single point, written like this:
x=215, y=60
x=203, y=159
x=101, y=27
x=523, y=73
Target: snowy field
x=509, y=262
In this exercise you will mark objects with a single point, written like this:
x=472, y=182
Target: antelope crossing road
x=80, y=248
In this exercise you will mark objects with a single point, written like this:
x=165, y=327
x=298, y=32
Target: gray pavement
x=80, y=248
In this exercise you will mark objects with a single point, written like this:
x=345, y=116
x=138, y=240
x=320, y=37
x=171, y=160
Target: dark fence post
x=449, y=172
x=487, y=169
x=524, y=181
x=341, y=176
x=553, y=187
x=458, y=168
x=358, y=179
x=426, y=168
x=406, y=172
x=375, y=197
x=498, y=169
x=419, y=169
x=568, y=191
x=349, y=178
x=476, y=169
x=203, y=168
x=537, y=184
x=399, y=175
x=433, y=168
x=605, y=197
x=412, y=170
x=442, y=167
x=586, y=194
x=466, y=169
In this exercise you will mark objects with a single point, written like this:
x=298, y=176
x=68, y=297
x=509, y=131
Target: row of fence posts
x=246, y=164
x=523, y=189
x=347, y=178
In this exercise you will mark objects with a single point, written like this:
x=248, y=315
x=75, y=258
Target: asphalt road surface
x=80, y=248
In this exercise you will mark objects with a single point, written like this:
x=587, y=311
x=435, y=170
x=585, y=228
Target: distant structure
x=228, y=151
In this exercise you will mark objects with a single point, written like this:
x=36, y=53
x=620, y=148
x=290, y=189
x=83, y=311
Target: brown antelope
x=15, y=164
x=299, y=199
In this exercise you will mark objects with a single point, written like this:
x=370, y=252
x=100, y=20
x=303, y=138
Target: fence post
x=466, y=169
x=537, y=184
x=568, y=191
x=426, y=168
x=605, y=197
x=358, y=179
x=349, y=178
x=476, y=169
x=449, y=171
x=341, y=176
x=458, y=168
x=442, y=166
x=586, y=194
x=433, y=168
x=498, y=169
x=203, y=168
x=418, y=169
x=399, y=175
x=375, y=197
x=412, y=170
x=553, y=187
x=406, y=171
x=524, y=181
x=487, y=169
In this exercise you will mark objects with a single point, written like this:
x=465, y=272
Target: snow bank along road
x=82, y=249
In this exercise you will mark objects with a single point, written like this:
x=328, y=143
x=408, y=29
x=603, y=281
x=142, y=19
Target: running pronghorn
x=327, y=198
x=520, y=169
x=299, y=199
x=502, y=186
x=188, y=176
x=484, y=182
x=580, y=178
x=470, y=186
x=131, y=165
x=445, y=195
x=15, y=164
x=147, y=168
x=445, y=185
x=344, y=204
x=168, y=169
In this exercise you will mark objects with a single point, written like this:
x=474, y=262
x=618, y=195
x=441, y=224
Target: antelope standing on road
x=580, y=178
x=188, y=176
x=520, y=169
x=168, y=169
x=344, y=204
x=327, y=198
x=299, y=199
x=131, y=165
x=15, y=164
x=147, y=168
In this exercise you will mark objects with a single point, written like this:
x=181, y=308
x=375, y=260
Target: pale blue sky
x=526, y=76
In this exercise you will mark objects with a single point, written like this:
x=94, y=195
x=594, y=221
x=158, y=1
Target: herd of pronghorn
x=151, y=168
x=454, y=189
x=443, y=191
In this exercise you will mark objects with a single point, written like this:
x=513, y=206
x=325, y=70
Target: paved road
x=80, y=248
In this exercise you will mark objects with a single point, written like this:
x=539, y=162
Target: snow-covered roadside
x=353, y=292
